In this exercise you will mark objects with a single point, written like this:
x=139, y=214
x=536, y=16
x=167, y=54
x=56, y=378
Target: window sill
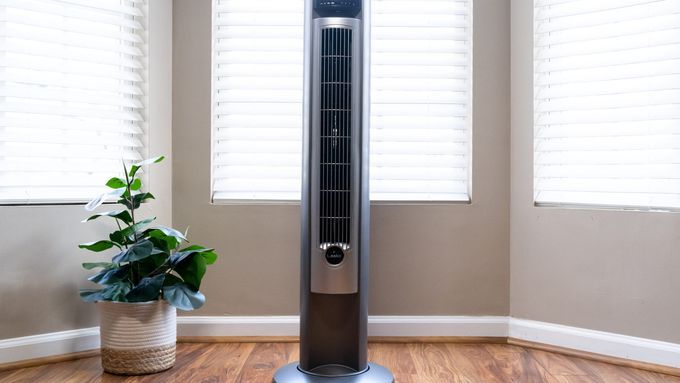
x=575, y=206
x=373, y=203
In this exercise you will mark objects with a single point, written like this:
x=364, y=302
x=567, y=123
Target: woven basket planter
x=137, y=338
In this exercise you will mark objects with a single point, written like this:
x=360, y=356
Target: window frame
x=294, y=202
x=569, y=205
x=144, y=137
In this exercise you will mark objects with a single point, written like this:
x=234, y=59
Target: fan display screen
x=340, y=8
x=335, y=173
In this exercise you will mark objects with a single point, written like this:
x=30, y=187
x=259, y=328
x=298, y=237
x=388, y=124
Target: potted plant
x=150, y=275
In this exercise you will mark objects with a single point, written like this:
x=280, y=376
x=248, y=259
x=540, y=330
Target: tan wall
x=426, y=259
x=606, y=270
x=40, y=273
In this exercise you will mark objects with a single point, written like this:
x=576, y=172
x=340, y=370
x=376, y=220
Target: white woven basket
x=137, y=338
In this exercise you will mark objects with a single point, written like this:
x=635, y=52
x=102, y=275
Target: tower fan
x=335, y=201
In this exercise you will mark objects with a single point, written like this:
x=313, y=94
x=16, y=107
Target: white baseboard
x=489, y=326
x=597, y=342
x=51, y=344
x=608, y=344
x=238, y=326
x=453, y=326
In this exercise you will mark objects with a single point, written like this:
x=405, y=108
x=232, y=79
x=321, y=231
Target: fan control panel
x=337, y=8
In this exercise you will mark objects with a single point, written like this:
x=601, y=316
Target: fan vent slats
x=335, y=168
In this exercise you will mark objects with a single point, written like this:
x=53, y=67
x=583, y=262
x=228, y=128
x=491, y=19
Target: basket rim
x=157, y=301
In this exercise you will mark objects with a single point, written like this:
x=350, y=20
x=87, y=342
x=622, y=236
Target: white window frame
x=143, y=137
x=564, y=203
x=254, y=201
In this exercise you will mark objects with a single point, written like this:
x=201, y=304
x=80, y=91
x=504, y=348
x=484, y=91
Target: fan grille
x=335, y=138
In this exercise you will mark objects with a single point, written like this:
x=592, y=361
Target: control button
x=335, y=255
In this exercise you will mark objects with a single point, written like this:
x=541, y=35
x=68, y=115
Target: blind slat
x=56, y=124
x=92, y=13
x=83, y=70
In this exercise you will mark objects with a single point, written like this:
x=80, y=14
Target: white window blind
x=607, y=102
x=421, y=85
x=72, y=86
x=257, y=99
x=421, y=74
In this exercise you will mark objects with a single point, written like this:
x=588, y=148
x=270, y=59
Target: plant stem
x=130, y=200
x=119, y=229
x=160, y=267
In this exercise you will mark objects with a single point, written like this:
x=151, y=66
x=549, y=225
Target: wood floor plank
x=474, y=363
x=226, y=362
x=516, y=364
x=396, y=355
x=294, y=353
x=565, y=378
x=607, y=372
x=407, y=378
x=26, y=375
x=410, y=363
x=434, y=364
x=559, y=365
x=263, y=362
x=183, y=371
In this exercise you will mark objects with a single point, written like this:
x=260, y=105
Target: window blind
x=607, y=103
x=257, y=99
x=421, y=72
x=421, y=85
x=72, y=86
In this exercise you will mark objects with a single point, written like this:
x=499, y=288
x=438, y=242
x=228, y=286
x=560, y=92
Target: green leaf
x=115, y=292
x=142, y=197
x=157, y=250
x=117, y=237
x=110, y=276
x=156, y=262
x=136, y=184
x=171, y=279
x=209, y=256
x=181, y=255
x=163, y=242
x=98, y=246
x=141, y=225
x=170, y=232
x=100, y=199
x=137, y=200
x=147, y=290
x=94, y=265
x=183, y=297
x=122, y=215
x=116, y=183
x=138, y=165
x=89, y=295
x=126, y=235
x=118, y=292
x=136, y=252
x=192, y=270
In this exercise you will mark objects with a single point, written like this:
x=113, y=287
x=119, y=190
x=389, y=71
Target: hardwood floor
x=410, y=363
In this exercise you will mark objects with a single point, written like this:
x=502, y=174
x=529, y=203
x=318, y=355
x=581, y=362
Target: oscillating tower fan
x=335, y=201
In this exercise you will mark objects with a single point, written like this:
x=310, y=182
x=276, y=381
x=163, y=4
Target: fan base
x=292, y=374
